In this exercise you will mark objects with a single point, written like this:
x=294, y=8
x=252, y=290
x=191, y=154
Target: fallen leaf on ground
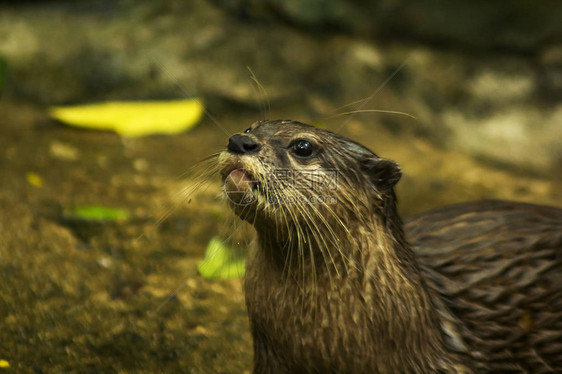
x=221, y=261
x=96, y=213
x=34, y=179
x=133, y=119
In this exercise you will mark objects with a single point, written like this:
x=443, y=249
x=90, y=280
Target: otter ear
x=384, y=173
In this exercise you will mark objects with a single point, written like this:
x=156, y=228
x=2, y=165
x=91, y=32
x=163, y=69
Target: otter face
x=277, y=172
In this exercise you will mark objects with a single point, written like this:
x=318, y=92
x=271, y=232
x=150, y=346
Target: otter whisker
x=203, y=166
x=380, y=87
x=203, y=179
x=332, y=235
x=371, y=111
x=291, y=197
x=350, y=104
x=313, y=226
x=261, y=91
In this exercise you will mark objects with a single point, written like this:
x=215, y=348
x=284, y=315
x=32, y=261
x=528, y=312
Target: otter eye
x=302, y=148
x=248, y=130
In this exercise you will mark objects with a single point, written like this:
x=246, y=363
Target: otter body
x=333, y=286
x=498, y=267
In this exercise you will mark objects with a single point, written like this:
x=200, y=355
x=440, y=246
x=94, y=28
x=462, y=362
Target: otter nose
x=243, y=144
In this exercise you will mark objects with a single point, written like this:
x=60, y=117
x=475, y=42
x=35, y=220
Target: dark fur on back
x=498, y=267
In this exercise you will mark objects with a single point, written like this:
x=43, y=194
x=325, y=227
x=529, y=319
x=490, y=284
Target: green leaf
x=133, y=119
x=221, y=261
x=96, y=213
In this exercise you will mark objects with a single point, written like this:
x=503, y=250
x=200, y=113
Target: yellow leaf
x=4, y=364
x=34, y=179
x=133, y=118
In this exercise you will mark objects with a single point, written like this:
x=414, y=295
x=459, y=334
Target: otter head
x=283, y=174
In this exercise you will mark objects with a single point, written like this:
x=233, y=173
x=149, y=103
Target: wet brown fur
x=336, y=288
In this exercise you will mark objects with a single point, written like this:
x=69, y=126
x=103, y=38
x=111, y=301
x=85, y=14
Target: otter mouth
x=241, y=187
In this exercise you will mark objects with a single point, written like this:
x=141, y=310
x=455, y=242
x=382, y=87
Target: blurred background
x=120, y=292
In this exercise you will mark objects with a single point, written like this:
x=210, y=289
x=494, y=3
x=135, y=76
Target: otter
x=338, y=284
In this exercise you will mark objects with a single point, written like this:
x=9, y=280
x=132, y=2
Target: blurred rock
x=487, y=79
x=515, y=25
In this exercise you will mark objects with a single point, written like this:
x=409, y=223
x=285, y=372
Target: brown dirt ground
x=125, y=297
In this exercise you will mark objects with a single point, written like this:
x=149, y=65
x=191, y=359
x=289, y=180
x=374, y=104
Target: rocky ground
x=79, y=296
